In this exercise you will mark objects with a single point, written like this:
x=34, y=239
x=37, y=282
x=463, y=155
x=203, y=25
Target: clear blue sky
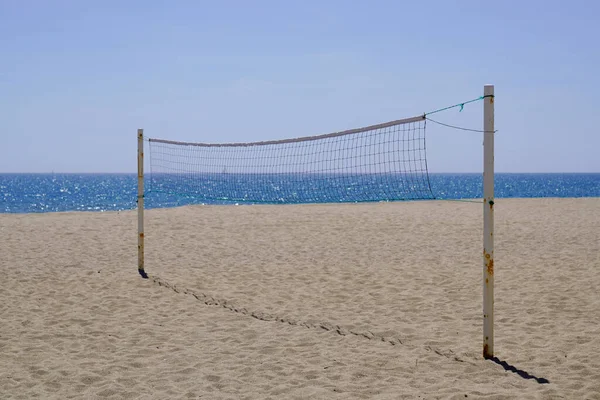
x=77, y=78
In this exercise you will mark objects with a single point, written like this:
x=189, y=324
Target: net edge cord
x=300, y=139
x=459, y=127
x=458, y=105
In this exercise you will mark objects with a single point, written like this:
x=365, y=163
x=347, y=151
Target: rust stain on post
x=486, y=352
x=489, y=263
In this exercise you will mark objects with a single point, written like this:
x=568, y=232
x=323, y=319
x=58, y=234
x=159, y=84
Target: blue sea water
x=35, y=193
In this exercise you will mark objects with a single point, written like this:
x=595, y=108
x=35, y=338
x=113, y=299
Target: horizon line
x=430, y=173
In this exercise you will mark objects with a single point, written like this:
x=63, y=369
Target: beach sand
x=355, y=301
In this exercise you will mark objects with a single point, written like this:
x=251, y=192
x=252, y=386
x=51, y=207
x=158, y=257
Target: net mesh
x=384, y=162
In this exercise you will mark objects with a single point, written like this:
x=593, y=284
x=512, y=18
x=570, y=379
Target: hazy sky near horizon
x=77, y=78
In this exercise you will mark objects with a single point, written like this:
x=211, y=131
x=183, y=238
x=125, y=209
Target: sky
x=78, y=78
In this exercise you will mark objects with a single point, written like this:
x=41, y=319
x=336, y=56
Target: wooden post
x=488, y=221
x=140, y=203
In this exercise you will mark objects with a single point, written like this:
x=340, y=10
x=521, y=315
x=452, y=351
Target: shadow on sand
x=520, y=372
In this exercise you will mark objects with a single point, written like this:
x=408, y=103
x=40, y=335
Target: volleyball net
x=383, y=162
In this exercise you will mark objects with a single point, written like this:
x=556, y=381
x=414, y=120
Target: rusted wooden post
x=488, y=221
x=140, y=202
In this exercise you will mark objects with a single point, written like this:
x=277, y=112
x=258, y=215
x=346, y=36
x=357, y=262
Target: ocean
x=39, y=193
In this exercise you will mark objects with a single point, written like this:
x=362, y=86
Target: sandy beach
x=354, y=301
